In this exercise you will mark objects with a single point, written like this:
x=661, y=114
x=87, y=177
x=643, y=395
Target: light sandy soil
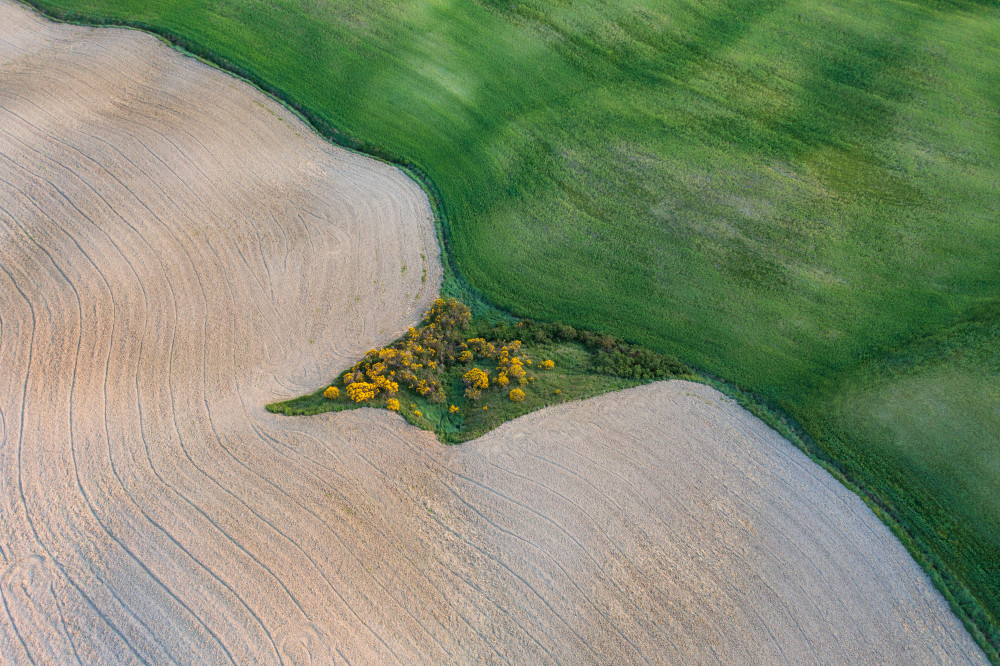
x=175, y=251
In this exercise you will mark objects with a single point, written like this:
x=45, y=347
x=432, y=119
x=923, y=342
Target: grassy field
x=923, y=426
x=799, y=197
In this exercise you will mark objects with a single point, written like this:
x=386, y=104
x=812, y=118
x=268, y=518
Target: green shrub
x=633, y=362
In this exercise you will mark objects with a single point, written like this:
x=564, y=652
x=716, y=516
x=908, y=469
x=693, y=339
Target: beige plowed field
x=175, y=251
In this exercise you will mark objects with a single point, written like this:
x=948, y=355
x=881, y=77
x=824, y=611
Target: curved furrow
x=73, y=383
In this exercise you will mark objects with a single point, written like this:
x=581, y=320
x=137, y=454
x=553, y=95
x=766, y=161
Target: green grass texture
x=800, y=197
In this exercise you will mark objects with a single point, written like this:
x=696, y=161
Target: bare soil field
x=176, y=250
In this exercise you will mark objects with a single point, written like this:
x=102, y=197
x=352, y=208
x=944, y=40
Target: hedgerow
x=611, y=355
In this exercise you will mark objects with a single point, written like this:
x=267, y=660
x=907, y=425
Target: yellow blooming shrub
x=385, y=385
x=428, y=356
x=475, y=381
x=477, y=378
x=482, y=348
x=361, y=391
x=449, y=314
x=417, y=360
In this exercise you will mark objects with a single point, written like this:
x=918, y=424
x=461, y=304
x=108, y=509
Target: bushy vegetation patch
x=462, y=377
x=611, y=355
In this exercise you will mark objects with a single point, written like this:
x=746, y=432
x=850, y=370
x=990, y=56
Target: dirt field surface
x=176, y=250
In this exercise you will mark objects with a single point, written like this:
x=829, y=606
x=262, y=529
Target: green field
x=800, y=197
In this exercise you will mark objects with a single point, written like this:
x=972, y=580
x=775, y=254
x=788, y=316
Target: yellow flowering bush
x=449, y=314
x=361, y=391
x=419, y=358
x=515, y=369
x=475, y=381
x=482, y=348
x=431, y=355
x=385, y=385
